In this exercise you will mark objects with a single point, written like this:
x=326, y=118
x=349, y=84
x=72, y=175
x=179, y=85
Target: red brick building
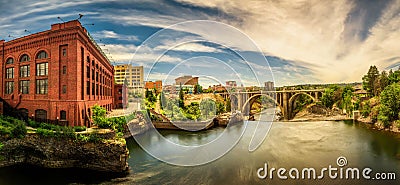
x=154, y=85
x=120, y=96
x=187, y=80
x=58, y=74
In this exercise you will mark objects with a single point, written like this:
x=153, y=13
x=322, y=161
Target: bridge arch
x=292, y=98
x=247, y=105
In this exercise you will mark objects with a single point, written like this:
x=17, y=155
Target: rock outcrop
x=51, y=152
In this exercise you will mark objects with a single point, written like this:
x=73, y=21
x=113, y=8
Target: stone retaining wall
x=50, y=152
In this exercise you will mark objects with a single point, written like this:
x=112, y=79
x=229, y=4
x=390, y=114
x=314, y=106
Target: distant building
x=130, y=75
x=154, y=85
x=169, y=89
x=231, y=84
x=187, y=80
x=253, y=88
x=188, y=89
x=269, y=86
x=120, y=96
x=217, y=88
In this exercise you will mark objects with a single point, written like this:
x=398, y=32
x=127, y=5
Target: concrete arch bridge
x=285, y=99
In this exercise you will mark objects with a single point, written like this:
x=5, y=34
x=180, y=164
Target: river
x=288, y=145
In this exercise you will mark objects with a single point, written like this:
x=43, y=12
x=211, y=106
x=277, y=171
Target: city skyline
x=304, y=42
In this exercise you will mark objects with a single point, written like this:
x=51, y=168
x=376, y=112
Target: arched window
x=41, y=55
x=24, y=112
x=10, y=61
x=41, y=114
x=24, y=58
x=63, y=115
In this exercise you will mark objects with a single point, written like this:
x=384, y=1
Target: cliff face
x=52, y=152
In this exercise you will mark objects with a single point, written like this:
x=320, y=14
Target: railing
x=97, y=46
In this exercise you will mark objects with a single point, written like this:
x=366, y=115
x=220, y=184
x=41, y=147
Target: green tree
x=366, y=109
x=390, y=104
x=163, y=100
x=198, y=89
x=208, y=107
x=393, y=77
x=150, y=96
x=369, y=80
x=181, y=98
x=383, y=80
x=228, y=106
x=99, y=117
x=193, y=111
x=327, y=98
x=220, y=107
x=347, y=96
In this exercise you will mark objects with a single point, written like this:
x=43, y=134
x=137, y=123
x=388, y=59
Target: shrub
x=68, y=132
x=384, y=119
x=93, y=137
x=82, y=137
x=366, y=109
x=33, y=124
x=5, y=130
x=130, y=117
x=79, y=128
x=45, y=132
x=374, y=113
x=19, y=131
x=397, y=123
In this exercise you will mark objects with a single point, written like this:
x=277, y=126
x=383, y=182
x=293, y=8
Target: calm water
x=288, y=145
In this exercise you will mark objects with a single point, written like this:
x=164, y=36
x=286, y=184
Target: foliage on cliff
x=115, y=123
x=11, y=127
x=384, y=89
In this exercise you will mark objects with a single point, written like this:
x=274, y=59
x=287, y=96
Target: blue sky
x=304, y=41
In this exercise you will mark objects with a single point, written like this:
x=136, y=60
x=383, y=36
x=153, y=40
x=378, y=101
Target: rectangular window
x=9, y=87
x=64, y=89
x=64, y=52
x=42, y=86
x=10, y=73
x=93, y=88
x=97, y=89
x=88, y=88
x=92, y=74
x=97, y=76
x=42, y=69
x=64, y=71
x=24, y=86
x=25, y=71
x=88, y=72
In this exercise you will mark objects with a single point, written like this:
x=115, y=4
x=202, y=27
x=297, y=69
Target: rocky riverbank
x=53, y=152
x=319, y=113
x=315, y=112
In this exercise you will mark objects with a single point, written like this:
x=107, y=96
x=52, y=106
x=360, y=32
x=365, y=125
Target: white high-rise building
x=132, y=76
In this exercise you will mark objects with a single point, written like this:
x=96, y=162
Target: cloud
x=112, y=35
x=188, y=47
x=128, y=53
x=324, y=35
x=324, y=41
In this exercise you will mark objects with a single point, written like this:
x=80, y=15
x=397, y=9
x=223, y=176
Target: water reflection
x=300, y=144
x=289, y=144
